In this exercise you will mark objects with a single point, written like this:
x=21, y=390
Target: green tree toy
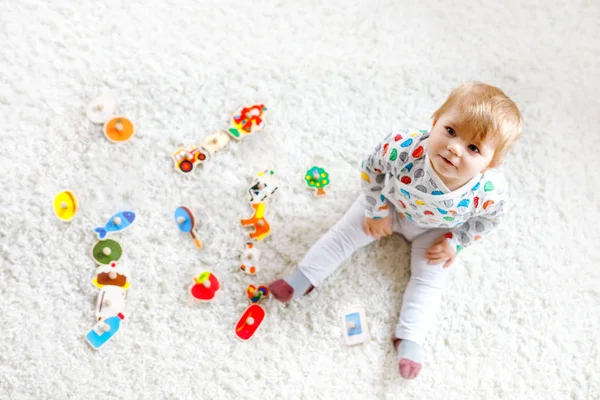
x=317, y=178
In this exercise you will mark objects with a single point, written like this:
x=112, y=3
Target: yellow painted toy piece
x=365, y=177
x=65, y=205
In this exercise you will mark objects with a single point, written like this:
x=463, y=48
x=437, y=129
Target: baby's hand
x=378, y=227
x=441, y=252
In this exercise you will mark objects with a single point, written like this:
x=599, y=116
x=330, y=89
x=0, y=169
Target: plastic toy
x=258, y=221
x=216, y=142
x=117, y=222
x=111, y=301
x=101, y=108
x=254, y=315
x=247, y=121
x=106, y=251
x=205, y=287
x=104, y=331
x=118, y=129
x=263, y=187
x=250, y=258
x=185, y=221
x=317, y=178
x=111, y=275
x=354, y=325
x=186, y=158
x=65, y=205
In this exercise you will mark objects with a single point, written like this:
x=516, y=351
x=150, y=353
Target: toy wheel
x=201, y=156
x=186, y=166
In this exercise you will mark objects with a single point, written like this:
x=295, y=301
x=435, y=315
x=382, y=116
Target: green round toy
x=106, y=251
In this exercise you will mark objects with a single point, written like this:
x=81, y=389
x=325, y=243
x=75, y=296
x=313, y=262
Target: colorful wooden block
x=247, y=121
x=185, y=222
x=205, y=287
x=106, y=251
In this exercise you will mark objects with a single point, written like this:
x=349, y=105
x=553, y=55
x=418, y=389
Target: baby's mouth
x=447, y=161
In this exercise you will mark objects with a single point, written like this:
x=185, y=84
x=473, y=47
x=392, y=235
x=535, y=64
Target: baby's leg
x=421, y=301
x=325, y=256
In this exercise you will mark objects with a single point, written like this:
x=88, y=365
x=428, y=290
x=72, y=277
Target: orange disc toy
x=119, y=129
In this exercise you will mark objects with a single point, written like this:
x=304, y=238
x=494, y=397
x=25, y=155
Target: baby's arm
x=491, y=211
x=387, y=159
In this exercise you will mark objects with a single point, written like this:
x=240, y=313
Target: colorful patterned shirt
x=400, y=174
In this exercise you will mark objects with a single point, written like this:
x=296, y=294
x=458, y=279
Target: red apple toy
x=205, y=287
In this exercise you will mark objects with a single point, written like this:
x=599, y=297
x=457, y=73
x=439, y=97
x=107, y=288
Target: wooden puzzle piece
x=106, y=251
x=317, y=178
x=260, y=224
x=118, y=222
x=104, y=330
x=119, y=129
x=111, y=275
x=250, y=259
x=205, y=287
x=111, y=301
x=65, y=205
x=354, y=325
x=256, y=294
x=247, y=121
x=185, y=221
x=186, y=158
x=101, y=108
x=263, y=187
x=249, y=322
x=216, y=142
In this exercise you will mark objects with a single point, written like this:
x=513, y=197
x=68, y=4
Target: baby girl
x=440, y=189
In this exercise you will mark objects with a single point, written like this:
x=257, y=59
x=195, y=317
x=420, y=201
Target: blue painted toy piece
x=187, y=224
x=98, y=338
x=125, y=219
x=353, y=318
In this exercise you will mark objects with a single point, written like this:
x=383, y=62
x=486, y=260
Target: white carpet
x=520, y=318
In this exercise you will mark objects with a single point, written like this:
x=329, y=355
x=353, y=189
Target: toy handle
x=196, y=240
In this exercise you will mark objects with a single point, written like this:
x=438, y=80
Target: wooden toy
x=65, y=205
x=263, y=187
x=111, y=301
x=118, y=222
x=111, y=275
x=317, y=178
x=205, y=287
x=106, y=251
x=104, y=331
x=258, y=221
x=186, y=158
x=254, y=315
x=256, y=294
x=247, y=121
x=118, y=129
x=101, y=108
x=354, y=325
x=185, y=221
x=216, y=142
x=250, y=258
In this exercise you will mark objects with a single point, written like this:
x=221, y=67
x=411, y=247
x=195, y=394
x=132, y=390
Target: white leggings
x=424, y=290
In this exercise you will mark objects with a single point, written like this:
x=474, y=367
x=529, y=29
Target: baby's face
x=453, y=153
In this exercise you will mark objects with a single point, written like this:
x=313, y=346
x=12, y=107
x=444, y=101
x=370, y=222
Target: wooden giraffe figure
x=261, y=226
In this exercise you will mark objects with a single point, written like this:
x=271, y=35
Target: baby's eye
x=450, y=131
x=473, y=148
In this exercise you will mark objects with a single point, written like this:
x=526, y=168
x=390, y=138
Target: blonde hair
x=491, y=114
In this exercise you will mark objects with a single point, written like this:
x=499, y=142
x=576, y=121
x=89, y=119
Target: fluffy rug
x=520, y=316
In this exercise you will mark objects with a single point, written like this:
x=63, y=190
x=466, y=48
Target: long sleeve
x=387, y=159
x=490, y=209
